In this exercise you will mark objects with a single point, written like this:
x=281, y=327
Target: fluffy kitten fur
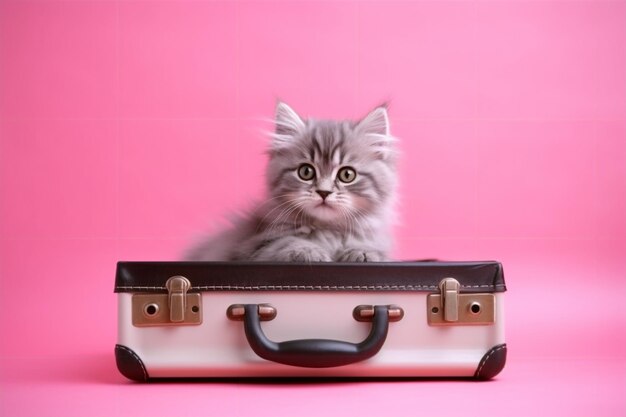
x=316, y=211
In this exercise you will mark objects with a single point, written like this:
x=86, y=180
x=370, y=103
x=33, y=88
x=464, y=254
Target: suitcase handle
x=315, y=353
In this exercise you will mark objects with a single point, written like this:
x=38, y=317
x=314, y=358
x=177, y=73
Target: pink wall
x=129, y=127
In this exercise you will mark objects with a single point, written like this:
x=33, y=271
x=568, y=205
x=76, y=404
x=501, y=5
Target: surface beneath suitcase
x=89, y=385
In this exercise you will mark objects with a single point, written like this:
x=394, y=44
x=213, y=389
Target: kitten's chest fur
x=328, y=238
x=331, y=237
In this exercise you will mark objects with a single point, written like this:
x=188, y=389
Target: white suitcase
x=396, y=319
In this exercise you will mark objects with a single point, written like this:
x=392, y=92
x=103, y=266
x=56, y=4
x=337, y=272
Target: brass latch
x=449, y=288
x=451, y=307
x=177, y=307
x=177, y=297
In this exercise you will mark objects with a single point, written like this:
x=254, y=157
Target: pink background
x=127, y=128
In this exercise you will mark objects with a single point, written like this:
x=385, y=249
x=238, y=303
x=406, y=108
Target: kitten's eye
x=306, y=172
x=346, y=174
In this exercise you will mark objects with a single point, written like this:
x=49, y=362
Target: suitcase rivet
x=151, y=309
x=195, y=309
x=366, y=313
x=475, y=308
x=237, y=312
x=435, y=310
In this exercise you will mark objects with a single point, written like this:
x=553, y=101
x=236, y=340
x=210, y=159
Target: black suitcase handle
x=315, y=353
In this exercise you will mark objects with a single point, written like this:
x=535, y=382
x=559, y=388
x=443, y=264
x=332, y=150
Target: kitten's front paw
x=308, y=254
x=361, y=255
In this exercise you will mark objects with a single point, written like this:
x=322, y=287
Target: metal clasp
x=451, y=307
x=177, y=307
x=177, y=297
x=449, y=288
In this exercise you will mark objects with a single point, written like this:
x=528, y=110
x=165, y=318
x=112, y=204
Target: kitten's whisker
x=295, y=225
x=277, y=219
x=274, y=209
x=365, y=223
x=353, y=223
x=303, y=212
x=349, y=224
x=285, y=213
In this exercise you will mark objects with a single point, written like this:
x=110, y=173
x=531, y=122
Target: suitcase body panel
x=218, y=346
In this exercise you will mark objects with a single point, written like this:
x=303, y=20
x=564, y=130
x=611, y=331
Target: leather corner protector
x=130, y=364
x=492, y=363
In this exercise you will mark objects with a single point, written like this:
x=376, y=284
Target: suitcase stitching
x=484, y=361
x=309, y=287
x=134, y=355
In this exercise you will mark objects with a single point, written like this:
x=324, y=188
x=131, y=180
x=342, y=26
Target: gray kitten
x=331, y=186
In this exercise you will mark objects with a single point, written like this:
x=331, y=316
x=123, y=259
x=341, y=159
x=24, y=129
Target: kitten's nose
x=323, y=193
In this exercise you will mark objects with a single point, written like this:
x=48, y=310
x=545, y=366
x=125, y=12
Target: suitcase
x=257, y=319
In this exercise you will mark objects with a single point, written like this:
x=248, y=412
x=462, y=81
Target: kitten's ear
x=288, y=122
x=376, y=122
x=374, y=128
